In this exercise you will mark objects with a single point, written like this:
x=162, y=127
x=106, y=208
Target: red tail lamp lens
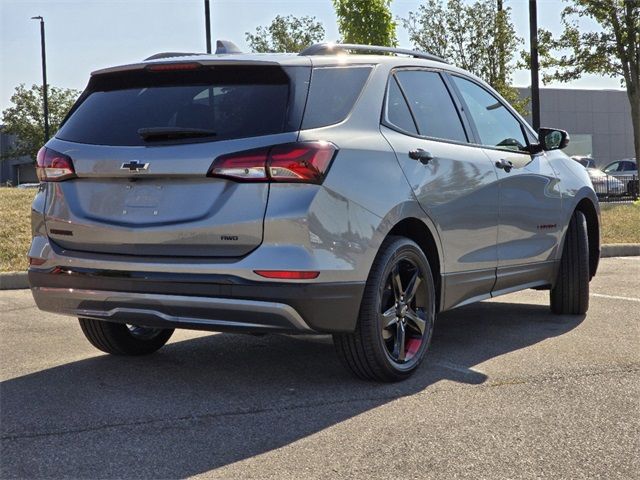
x=301, y=162
x=287, y=274
x=52, y=166
x=304, y=162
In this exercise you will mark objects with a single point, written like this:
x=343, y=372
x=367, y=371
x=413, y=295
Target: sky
x=85, y=35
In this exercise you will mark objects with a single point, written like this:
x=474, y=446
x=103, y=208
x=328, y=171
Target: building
x=14, y=171
x=598, y=121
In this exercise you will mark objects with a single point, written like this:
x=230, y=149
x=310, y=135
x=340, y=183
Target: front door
x=530, y=204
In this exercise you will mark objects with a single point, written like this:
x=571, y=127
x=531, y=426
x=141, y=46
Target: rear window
x=232, y=102
x=332, y=94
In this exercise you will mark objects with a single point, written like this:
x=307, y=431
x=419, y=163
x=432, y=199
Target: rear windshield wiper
x=168, y=133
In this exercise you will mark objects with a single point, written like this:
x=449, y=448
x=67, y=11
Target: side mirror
x=553, y=139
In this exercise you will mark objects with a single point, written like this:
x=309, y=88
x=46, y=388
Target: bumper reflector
x=287, y=274
x=36, y=261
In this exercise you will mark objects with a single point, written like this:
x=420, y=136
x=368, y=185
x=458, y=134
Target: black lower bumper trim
x=325, y=307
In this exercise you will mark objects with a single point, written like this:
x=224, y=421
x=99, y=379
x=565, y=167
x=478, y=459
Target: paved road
x=510, y=391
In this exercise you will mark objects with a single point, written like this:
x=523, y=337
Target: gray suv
x=348, y=190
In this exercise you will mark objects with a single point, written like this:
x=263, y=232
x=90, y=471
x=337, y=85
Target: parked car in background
x=626, y=171
x=586, y=162
x=320, y=193
x=28, y=185
x=606, y=185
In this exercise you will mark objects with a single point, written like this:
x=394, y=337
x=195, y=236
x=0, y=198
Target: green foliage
x=612, y=50
x=25, y=117
x=366, y=22
x=476, y=37
x=286, y=34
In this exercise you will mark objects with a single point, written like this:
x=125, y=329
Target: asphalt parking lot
x=509, y=391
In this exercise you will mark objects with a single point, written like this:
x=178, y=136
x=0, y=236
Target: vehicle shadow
x=207, y=402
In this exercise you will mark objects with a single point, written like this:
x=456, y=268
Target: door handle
x=506, y=165
x=421, y=155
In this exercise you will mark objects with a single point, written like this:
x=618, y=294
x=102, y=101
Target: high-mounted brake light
x=52, y=166
x=288, y=274
x=173, y=67
x=302, y=162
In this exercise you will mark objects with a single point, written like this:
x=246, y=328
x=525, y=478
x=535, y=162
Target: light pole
x=45, y=99
x=535, y=81
x=207, y=24
x=501, y=54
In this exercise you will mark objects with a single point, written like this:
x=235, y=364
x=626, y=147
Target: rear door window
x=628, y=166
x=230, y=102
x=432, y=105
x=333, y=94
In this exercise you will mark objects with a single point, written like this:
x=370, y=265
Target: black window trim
x=384, y=116
x=385, y=107
x=478, y=142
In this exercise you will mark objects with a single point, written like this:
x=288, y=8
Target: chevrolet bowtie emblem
x=134, y=166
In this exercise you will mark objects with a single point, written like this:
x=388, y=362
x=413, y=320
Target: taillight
x=300, y=162
x=303, y=162
x=52, y=166
x=248, y=166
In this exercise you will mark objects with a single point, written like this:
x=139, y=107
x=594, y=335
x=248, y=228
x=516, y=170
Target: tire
x=570, y=294
x=392, y=353
x=121, y=339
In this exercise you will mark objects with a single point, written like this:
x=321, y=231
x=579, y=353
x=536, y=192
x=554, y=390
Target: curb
x=13, y=280
x=17, y=280
x=620, y=250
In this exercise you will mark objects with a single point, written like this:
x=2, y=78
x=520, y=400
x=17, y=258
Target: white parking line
x=614, y=297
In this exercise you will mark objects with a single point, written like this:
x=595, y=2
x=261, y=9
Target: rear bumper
x=195, y=301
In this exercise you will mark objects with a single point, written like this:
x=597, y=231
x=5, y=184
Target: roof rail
x=170, y=54
x=332, y=48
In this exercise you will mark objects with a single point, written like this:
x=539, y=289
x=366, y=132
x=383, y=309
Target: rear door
x=455, y=184
x=530, y=203
x=142, y=143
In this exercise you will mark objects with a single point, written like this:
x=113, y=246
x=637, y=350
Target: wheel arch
x=588, y=209
x=417, y=231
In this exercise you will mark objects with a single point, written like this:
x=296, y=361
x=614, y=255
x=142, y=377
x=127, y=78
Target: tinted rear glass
x=233, y=102
x=333, y=93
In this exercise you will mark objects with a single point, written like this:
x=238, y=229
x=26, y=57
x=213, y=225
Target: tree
x=478, y=37
x=367, y=22
x=613, y=50
x=25, y=118
x=286, y=34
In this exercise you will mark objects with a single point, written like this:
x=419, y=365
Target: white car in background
x=625, y=170
x=605, y=185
